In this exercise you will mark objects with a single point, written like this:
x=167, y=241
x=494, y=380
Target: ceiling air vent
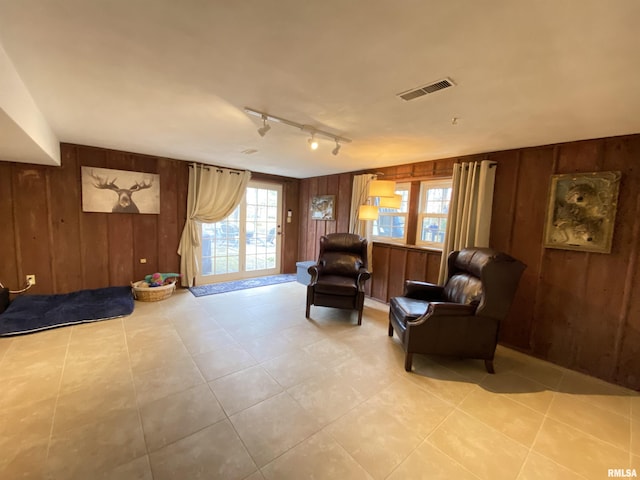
x=432, y=87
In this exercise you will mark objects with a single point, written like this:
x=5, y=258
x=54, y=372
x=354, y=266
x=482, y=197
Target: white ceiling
x=171, y=78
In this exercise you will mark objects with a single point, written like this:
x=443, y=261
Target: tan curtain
x=469, y=219
x=213, y=195
x=359, y=196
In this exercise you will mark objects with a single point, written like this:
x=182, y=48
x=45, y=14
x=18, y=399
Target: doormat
x=213, y=288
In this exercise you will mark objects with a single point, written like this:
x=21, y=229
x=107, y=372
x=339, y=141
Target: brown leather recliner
x=462, y=317
x=338, y=278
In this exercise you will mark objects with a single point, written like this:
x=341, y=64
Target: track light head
x=313, y=143
x=262, y=131
x=336, y=149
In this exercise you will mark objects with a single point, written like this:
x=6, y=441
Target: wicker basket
x=152, y=294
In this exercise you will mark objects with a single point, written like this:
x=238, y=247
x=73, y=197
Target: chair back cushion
x=464, y=288
x=339, y=263
x=342, y=254
x=485, y=276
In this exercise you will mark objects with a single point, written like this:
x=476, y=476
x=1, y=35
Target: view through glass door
x=247, y=243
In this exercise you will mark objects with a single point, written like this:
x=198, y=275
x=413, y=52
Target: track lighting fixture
x=313, y=141
x=265, y=126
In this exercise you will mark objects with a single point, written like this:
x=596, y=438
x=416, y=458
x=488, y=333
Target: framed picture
x=582, y=211
x=120, y=191
x=322, y=207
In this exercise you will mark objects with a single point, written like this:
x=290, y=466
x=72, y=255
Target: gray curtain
x=469, y=219
x=213, y=195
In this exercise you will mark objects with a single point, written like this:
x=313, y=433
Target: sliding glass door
x=247, y=243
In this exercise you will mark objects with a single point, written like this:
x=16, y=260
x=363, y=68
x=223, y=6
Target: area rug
x=32, y=313
x=213, y=288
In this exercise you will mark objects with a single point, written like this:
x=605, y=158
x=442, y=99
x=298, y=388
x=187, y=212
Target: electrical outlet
x=143, y=260
x=31, y=279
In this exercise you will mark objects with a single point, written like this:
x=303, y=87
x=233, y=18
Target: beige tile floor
x=241, y=386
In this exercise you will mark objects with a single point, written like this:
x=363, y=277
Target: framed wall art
x=323, y=207
x=120, y=191
x=581, y=211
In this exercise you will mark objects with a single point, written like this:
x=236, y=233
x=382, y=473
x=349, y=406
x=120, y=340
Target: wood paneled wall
x=576, y=309
x=393, y=264
x=311, y=230
x=45, y=231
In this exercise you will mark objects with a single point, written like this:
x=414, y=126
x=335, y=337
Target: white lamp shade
x=382, y=188
x=367, y=212
x=391, y=202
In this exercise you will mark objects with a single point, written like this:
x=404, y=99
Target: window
x=432, y=214
x=392, y=222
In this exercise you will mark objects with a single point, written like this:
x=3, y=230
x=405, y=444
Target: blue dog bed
x=32, y=313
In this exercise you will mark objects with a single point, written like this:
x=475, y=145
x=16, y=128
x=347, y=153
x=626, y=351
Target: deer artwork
x=125, y=203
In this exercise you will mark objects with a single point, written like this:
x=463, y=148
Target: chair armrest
x=441, y=310
x=451, y=309
x=422, y=290
x=363, y=276
x=313, y=271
